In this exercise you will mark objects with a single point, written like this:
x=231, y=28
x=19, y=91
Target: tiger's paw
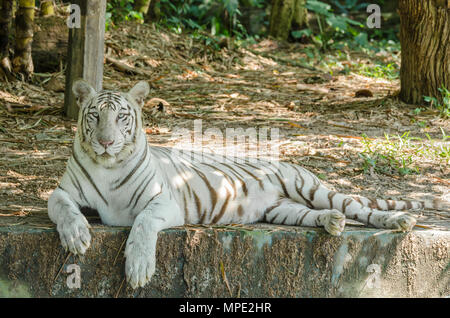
x=74, y=233
x=403, y=222
x=334, y=222
x=140, y=263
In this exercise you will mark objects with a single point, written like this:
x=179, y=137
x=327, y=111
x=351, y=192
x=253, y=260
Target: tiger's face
x=109, y=122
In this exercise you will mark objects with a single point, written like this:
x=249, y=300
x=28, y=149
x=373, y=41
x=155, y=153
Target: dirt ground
x=321, y=118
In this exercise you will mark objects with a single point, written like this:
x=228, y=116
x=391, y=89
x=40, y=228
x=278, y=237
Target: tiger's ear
x=139, y=92
x=82, y=91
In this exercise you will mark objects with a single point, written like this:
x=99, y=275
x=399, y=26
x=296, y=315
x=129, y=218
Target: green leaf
x=350, y=21
x=300, y=33
x=318, y=7
x=362, y=39
x=231, y=6
x=337, y=22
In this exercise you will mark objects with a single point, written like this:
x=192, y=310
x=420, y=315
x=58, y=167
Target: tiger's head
x=109, y=122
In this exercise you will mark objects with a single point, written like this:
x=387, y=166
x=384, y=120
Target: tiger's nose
x=106, y=143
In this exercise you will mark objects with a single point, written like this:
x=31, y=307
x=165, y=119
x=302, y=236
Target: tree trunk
x=299, y=20
x=284, y=15
x=425, y=48
x=5, y=26
x=141, y=6
x=23, y=63
x=153, y=12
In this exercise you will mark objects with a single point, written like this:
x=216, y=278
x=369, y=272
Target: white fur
x=151, y=188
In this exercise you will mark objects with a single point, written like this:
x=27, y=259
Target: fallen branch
x=122, y=67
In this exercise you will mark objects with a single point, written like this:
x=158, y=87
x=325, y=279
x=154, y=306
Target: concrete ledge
x=246, y=261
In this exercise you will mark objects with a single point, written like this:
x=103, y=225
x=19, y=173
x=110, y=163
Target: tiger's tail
x=390, y=205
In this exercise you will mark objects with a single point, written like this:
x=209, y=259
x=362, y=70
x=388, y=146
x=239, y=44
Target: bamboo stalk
x=23, y=62
x=5, y=26
x=47, y=8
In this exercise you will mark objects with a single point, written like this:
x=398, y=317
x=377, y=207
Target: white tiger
x=114, y=171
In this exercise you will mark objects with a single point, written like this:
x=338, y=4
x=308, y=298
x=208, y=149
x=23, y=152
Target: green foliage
x=349, y=6
x=247, y=19
x=220, y=17
x=444, y=106
x=379, y=70
x=399, y=154
x=388, y=157
x=383, y=61
x=121, y=10
x=205, y=19
x=336, y=28
x=332, y=27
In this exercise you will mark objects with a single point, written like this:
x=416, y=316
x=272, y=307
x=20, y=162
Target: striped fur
x=130, y=183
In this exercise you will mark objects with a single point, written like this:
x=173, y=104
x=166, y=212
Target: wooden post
x=85, y=51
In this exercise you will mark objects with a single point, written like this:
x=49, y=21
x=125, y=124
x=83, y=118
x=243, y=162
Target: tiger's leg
x=140, y=251
x=309, y=190
x=353, y=209
x=289, y=212
x=71, y=224
x=317, y=196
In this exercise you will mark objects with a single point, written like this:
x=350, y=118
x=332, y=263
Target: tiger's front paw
x=140, y=263
x=334, y=222
x=74, y=233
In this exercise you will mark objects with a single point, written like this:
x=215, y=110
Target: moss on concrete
x=256, y=261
